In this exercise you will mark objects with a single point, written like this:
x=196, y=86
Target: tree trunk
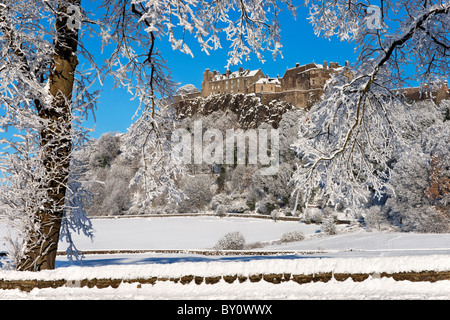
x=56, y=146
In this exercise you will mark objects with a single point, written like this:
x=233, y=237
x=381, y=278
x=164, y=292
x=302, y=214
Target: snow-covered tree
x=329, y=226
x=45, y=95
x=105, y=151
x=187, y=89
x=197, y=191
x=44, y=99
x=374, y=217
x=352, y=135
x=421, y=181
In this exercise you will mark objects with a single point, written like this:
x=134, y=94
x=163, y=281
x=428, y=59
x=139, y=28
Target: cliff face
x=248, y=108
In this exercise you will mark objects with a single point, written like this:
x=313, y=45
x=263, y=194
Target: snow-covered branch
x=354, y=133
x=45, y=94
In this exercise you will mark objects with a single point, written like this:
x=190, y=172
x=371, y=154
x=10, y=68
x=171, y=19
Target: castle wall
x=301, y=85
x=413, y=94
x=177, y=99
x=299, y=98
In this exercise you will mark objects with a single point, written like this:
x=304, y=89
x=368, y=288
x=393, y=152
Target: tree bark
x=56, y=147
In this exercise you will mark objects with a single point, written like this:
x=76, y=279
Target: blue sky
x=300, y=45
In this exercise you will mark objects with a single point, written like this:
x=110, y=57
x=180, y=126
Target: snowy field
x=198, y=232
x=202, y=233
x=352, y=250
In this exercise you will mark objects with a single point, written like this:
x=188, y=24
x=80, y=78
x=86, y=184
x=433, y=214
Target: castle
x=301, y=85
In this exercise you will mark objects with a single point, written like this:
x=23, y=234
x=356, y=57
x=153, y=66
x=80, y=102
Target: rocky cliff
x=248, y=108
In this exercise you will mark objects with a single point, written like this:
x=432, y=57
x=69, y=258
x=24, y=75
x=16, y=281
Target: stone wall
x=414, y=94
x=299, y=98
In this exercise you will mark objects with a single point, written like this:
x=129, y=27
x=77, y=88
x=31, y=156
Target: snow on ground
x=357, y=251
x=371, y=289
x=200, y=232
x=203, y=232
x=293, y=265
x=365, y=244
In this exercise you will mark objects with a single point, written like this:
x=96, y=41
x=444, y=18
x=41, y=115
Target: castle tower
x=206, y=83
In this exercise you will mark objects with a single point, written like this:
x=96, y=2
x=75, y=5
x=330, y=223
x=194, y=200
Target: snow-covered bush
x=276, y=185
x=238, y=205
x=374, y=217
x=266, y=205
x=329, y=226
x=254, y=245
x=217, y=200
x=197, y=191
x=231, y=241
x=221, y=210
x=313, y=215
x=276, y=213
x=292, y=236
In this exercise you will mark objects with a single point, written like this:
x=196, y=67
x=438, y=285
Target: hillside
x=241, y=188
x=230, y=188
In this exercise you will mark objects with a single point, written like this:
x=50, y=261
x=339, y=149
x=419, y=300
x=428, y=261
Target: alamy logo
x=74, y=20
x=207, y=147
x=374, y=18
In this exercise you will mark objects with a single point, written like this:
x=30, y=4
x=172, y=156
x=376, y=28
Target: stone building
x=265, y=85
x=436, y=94
x=308, y=77
x=229, y=82
x=301, y=85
